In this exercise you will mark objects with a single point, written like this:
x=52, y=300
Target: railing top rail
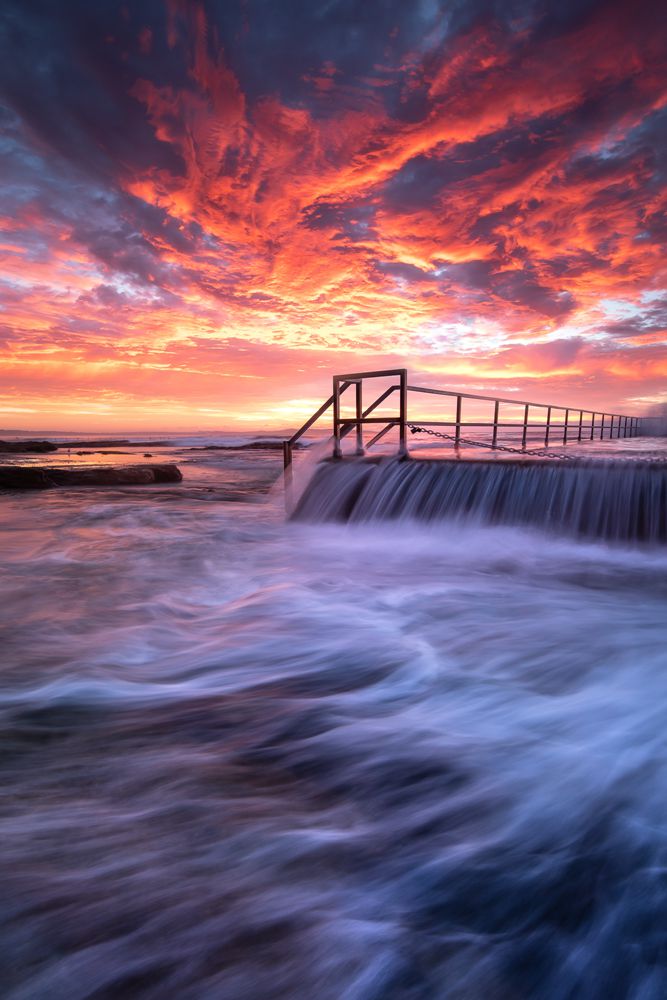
x=352, y=421
x=387, y=373
x=511, y=402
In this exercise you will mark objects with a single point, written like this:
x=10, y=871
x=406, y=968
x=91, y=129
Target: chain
x=542, y=452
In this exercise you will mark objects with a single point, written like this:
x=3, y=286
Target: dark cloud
x=524, y=289
x=345, y=220
x=650, y=322
x=68, y=69
x=470, y=274
x=273, y=46
x=403, y=272
x=521, y=287
x=424, y=179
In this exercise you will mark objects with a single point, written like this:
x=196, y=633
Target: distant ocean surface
x=243, y=757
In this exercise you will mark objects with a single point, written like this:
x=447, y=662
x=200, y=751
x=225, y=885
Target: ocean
x=389, y=759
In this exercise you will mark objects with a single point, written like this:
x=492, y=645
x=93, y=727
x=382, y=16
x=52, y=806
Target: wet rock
x=114, y=443
x=117, y=475
x=24, y=478
x=27, y=446
x=250, y=446
x=13, y=477
x=167, y=473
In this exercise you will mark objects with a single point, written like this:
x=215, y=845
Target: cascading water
x=613, y=500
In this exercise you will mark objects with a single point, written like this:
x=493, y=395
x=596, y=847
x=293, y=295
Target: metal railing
x=576, y=424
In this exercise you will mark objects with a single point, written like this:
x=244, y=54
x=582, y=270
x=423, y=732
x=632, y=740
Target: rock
x=113, y=443
x=102, y=476
x=249, y=446
x=17, y=477
x=25, y=446
x=23, y=478
x=99, y=443
x=167, y=473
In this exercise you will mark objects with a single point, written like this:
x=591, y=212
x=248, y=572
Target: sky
x=207, y=208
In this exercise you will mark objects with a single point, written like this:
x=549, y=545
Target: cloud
x=331, y=177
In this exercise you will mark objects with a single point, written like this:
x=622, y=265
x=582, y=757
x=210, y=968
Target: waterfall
x=613, y=500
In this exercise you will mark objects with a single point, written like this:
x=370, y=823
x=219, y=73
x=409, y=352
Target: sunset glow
x=208, y=208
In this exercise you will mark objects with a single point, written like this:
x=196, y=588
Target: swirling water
x=245, y=758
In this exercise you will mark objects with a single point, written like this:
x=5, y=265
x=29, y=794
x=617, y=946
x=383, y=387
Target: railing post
x=525, y=427
x=403, y=414
x=287, y=475
x=602, y=428
x=548, y=428
x=581, y=421
x=567, y=417
x=337, y=452
x=496, y=411
x=593, y=415
x=359, y=409
x=457, y=433
x=611, y=429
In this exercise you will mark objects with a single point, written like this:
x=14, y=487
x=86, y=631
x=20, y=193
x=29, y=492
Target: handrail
x=576, y=429
x=316, y=416
x=494, y=399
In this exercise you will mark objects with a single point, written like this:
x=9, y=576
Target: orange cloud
x=460, y=205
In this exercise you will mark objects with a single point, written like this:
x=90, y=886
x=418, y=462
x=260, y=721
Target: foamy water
x=244, y=758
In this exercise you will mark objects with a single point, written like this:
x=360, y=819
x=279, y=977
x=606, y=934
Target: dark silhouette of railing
x=576, y=425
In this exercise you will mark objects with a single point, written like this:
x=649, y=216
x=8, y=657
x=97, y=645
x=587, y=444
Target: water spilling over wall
x=612, y=500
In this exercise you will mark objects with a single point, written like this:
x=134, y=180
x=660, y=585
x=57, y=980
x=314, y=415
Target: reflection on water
x=249, y=759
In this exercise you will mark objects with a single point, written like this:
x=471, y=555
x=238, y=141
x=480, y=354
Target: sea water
x=250, y=758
